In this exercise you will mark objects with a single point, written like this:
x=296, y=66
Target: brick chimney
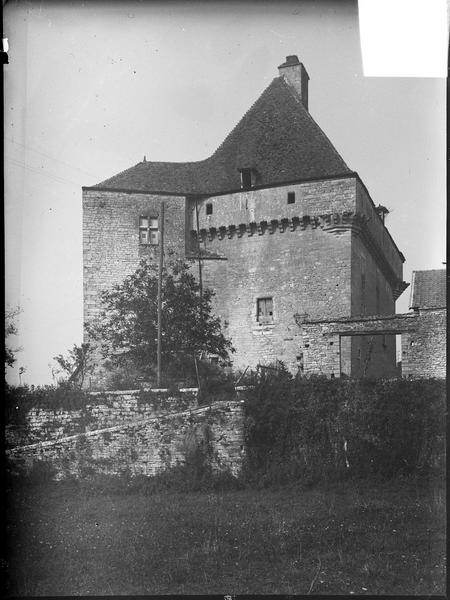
x=296, y=76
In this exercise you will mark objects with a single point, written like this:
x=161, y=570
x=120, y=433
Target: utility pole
x=161, y=262
x=200, y=279
x=200, y=282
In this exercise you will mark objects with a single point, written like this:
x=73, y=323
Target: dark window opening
x=363, y=294
x=291, y=198
x=264, y=310
x=209, y=209
x=246, y=179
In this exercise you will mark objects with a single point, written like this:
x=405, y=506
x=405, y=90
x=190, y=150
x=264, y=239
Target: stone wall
x=424, y=352
x=310, y=256
x=423, y=341
x=123, y=432
x=291, y=259
x=372, y=294
x=111, y=246
x=306, y=246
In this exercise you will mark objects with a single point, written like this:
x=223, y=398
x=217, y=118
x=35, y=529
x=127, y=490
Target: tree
x=11, y=329
x=127, y=327
x=76, y=364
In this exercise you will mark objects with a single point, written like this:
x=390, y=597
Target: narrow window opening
x=291, y=198
x=363, y=294
x=246, y=179
x=264, y=307
x=209, y=209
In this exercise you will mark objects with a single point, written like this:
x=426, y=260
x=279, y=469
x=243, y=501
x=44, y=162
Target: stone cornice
x=334, y=223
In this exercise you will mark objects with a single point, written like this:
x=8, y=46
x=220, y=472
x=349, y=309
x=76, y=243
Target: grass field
x=356, y=537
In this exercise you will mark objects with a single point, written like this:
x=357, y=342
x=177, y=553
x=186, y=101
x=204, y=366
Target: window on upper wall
x=148, y=230
x=264, y=310
x=363, y=293
x=246, y=179
x=209, y=209
x=291, y=198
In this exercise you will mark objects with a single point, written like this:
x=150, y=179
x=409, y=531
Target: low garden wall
x=135, y=432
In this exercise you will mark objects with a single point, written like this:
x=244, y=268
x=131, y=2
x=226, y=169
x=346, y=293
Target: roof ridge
x=427, y=270
x=242, y=118
x=117, y=175
x=324, y=135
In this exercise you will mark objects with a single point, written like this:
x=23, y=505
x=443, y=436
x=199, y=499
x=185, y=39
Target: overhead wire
x=48, y=156
x=37, y=171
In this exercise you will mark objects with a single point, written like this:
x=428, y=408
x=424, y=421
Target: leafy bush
x=19, y=400
x=319, y=429
x=215, y=383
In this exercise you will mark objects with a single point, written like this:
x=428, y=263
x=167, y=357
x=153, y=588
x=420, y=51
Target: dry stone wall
x=124, y=432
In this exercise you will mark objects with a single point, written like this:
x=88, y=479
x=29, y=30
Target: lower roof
x=429, y=289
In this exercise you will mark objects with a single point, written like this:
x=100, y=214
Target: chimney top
x=295, y=74
x=291, y=61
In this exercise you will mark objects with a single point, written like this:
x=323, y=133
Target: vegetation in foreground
x=110, y=537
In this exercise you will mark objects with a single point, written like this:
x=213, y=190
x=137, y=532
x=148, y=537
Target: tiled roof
x=277, y=137
x=428, y=289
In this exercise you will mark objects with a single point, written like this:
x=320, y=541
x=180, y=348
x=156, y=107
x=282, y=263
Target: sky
x=91, y=88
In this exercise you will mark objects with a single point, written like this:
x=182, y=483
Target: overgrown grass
x=110, y=537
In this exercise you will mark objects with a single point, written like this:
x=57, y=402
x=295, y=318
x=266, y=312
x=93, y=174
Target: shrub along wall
x=320, y=429
x=134, y=433
x=308, y=430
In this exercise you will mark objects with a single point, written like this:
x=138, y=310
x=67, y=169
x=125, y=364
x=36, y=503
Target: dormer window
x=148, y=230
x=248, y=178
x=291, y=198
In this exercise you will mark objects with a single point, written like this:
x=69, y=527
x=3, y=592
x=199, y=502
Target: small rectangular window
x=246, y=179
x=143, y=236
x=264, y=307
x=149, y=230
x=291, y=198
x=209, y=209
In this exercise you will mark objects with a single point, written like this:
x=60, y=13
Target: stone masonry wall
x=423, y=341
x=372, y=294
x=306, y=255
x=424, y=352
x=124, y=435
x=301, y=265
x=111, y=248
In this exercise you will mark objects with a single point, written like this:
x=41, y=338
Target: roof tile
x=429, y=289
x=277, y=137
